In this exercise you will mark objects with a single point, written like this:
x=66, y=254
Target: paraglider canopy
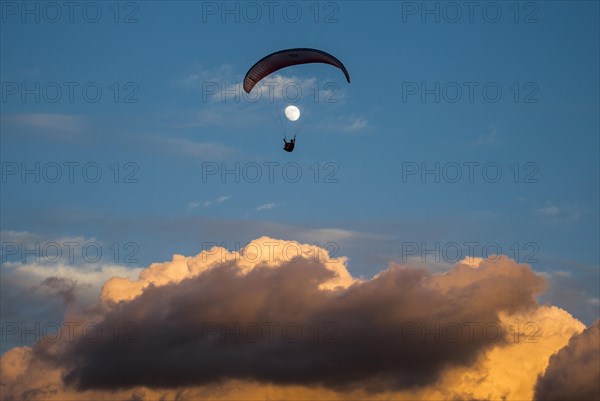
x=287, y=58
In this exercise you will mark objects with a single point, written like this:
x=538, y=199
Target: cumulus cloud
x=42, y=278
x=285, y=319
x=573, y=372
x=509, y=371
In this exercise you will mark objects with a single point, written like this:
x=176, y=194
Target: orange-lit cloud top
x=285, y=320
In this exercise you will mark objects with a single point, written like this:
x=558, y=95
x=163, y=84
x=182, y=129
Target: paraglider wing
x=288, y=58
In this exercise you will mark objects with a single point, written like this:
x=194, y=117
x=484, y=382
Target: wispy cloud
x=188, y=147
x=266, y=206
x=332, y=234
x=279, y=86
x=64, y=126
x=549, y=211
x=562, y=214
x=356, y=124
x=226, y=104
x=207, y=203
x=31, y=240
x=594, y=301
x=224, y=84
x=200, y=73
x=231, y=114
x=488, y=138
x=345, y=124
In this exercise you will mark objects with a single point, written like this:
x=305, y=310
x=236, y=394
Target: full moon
x=292, y=113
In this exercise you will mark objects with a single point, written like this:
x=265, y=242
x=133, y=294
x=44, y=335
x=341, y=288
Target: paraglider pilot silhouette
x=287, y=58
x=289, y=146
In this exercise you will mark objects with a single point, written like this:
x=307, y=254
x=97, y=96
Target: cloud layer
x=285, y=316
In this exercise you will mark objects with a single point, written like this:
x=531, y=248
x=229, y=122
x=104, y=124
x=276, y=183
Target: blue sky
x=172, y=131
